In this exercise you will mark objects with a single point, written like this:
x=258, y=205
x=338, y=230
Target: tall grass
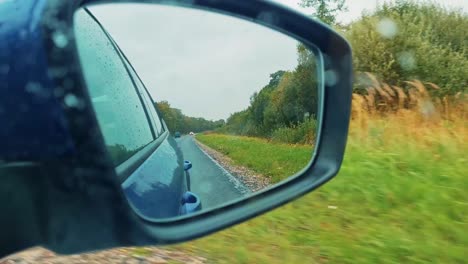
x=408, y=114
x=381, y=98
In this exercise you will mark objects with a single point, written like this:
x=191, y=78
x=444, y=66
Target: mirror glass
x=197, y=109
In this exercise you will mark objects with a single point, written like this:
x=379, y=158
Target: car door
x=177, y=186
x=148, y=164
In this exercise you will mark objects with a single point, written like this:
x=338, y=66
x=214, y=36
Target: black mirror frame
x=127, y=228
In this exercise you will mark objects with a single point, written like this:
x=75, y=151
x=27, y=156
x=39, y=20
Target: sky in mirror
x=206, y=64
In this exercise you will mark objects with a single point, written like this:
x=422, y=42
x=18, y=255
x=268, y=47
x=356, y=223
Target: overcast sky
x=206, y=64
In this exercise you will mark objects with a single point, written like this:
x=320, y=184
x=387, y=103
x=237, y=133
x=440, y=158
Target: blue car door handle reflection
x=190, y=203
x=158, y=188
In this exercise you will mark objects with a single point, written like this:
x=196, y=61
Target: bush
x=303, y=133
x=407, y=40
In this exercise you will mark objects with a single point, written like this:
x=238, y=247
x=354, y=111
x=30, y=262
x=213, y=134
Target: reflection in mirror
x=218, y=107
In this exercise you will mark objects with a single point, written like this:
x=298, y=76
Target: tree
x=429, y=44
x=325, y=10
x=177, y=121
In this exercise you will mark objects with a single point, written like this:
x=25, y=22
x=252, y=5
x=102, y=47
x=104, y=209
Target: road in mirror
x=236, y=101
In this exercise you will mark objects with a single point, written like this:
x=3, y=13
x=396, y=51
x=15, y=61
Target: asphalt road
x=211, y=182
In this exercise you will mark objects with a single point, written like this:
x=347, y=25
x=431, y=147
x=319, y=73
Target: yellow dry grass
x=402, y=113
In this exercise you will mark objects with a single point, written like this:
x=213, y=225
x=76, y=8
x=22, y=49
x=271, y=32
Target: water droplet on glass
x=363, y=79
x=206, y=187
x=57, y=71
x=36, y=89
x=172, y=2
x=58, y=92
x=22, y=33
x=4, y=69
x=72, y=101
x=406, y=60
x=268, y=17
x=387, y=28
x=427, y=108
x=60, y=39
x=331, y=78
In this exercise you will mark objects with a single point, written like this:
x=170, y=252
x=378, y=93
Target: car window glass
x=148, y=101
x=150, y=105
x=118, y=107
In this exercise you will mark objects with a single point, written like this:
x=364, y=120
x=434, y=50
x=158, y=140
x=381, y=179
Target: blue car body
x=35, y=128
x=33, y=124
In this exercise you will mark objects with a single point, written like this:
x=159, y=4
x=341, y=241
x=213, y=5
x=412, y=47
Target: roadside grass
x=400, y=197
x=276, y=161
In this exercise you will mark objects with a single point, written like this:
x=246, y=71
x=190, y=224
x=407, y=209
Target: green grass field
x=279, y=162
x=393, y=201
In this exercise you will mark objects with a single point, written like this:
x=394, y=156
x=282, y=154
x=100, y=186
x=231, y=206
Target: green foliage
x=282, y=160
x=286, y=102
x=303, y=133
x=177, y=121
x=407, y=40
x=239, y=123
x=325, y=10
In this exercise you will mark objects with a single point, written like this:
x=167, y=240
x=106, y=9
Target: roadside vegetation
x=176, y=121
x=281, y=160
x=400, y=196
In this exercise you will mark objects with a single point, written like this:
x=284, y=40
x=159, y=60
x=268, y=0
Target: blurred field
x=400, y=196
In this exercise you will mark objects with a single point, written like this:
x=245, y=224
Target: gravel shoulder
x=252, y=180
x=142, y=255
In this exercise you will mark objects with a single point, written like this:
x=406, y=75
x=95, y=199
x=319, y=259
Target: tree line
x=288, y=101
x=176, y=121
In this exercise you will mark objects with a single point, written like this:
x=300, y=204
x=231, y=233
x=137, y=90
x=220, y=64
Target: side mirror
x=111, y=173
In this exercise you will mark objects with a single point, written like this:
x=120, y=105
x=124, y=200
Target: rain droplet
x=4, y=69
x=206, y=187
x=22, y=33
x=406, y=60
x=363, y=79
x=331, y=78
x=427, y=108
x=35, y=88
x=72, y=101
x=58, y=92
x=60, y=39
x=268, y=17
x=173, y=2
x=57, y=71
x=387, y=28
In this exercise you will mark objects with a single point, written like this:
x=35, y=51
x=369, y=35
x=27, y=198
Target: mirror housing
x=74, y=195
